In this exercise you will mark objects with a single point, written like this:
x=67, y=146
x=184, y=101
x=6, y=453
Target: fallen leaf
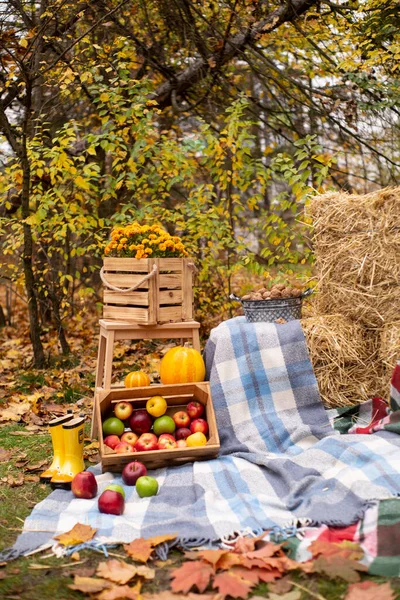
x=369, y=590
x=14, y=411
x=246, y=544
x=281, y=586
x=121, y=592
x=210, y=556
x=145, y=572
x=229, y=584
x=75, y=556
x=337, y=566
x=78, y=534
x=229, y=560
x=191, y=573
x=37, y=467
x=346, y=549
x=23, y=433
x=256, y=574
x=14, y=481
x=5, y=455
x=84, y=571
x=89, y=585
x=117, y=571
x=141, y=549
x=32, y=478
x=294, y=595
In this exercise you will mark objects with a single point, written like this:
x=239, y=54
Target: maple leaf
x=247, y=544
x=337, y=566
x=346, y=549
x=89, y=585
x=191, y=573
x=211, y=556
x=369, y=590
x=78, y=534
x=141, y=549
x=229, y=560
x=281, y=586
x=117, y=571
x=294, y=595
x=121, y=592
x=5, y=455
x=229, y=584
x=145, y=572
x=256, y=574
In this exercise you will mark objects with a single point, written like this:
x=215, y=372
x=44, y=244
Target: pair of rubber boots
x=67, y=439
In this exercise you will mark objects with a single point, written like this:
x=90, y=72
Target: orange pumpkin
x=182, y=365
x=137, y=379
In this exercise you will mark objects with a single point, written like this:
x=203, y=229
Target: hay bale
x=389, y=349
x=357, y=248
x=344, y=360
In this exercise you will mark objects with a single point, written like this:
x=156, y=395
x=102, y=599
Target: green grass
x=23, y=581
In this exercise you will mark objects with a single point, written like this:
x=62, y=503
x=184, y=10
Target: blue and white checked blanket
x=280, y=462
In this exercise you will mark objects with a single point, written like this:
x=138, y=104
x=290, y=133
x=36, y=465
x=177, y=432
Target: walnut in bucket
x=276, y=292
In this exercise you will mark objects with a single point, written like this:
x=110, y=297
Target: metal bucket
x=268, y=311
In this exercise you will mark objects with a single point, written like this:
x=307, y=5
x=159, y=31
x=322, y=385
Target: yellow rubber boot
x=73, y=458
x=57, y=439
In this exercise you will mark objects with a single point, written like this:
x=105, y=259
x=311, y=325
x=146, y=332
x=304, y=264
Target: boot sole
x=62, y=485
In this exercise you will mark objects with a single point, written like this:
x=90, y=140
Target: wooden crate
x=177, y=397
x=166, y=296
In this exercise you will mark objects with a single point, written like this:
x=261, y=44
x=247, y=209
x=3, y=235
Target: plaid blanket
x=281, y=462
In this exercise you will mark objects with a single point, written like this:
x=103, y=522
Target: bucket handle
x=235, y=298
x=306, y=293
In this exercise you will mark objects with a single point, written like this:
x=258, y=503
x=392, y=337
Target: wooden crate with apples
x=177, y=397
x=148, y=290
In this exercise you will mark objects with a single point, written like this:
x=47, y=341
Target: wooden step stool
x=112, y=331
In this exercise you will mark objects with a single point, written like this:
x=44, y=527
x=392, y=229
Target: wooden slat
x=168, y=327
x=176, y=389
x=132, y=298
x=140, y=265
x=170, y=297
x=187, y=291
x=153, y=293
x=170, y=281
x=139, y=315
x=170, y=264
x=125, y=280
x=169, y=313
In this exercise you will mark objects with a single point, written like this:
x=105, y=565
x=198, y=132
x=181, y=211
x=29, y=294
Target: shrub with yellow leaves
x=144, y=241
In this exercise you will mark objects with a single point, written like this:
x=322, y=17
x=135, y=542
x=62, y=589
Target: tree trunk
x=38, y=353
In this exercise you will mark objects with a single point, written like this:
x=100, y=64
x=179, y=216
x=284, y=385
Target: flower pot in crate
x=148, y=290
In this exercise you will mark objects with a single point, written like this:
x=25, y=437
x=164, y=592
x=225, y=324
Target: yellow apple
x=156, y=406
x=196, y=439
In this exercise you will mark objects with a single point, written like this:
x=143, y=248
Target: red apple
x=84, y=485
x=111, y=503
x=181, y=419
x=199, y=425
x=182, y=433
x=132, y=471
x=147, y=441
x=140, y=421
x=129, y=437
x=124, y=447
x=194, y=409
x=166, y=441
x=111, y=441
x=123, y=410
x=181, y=444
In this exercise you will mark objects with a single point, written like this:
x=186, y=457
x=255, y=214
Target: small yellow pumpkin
x=182, y=365
x=137, y=379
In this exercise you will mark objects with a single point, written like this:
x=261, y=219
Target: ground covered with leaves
x=250, y=568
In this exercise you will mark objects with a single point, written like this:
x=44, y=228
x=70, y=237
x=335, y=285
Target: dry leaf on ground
x=294, y=595
x=89, y=585
x=346, y=549
x=14, y=411
x=141, y=549
x=337, y=566
x=117, y=571
x=369, y=590
x=12, y=481
x=193, y=573
x=121, y=592
x=281, y=586
x=229, y=584
x=77, y=535
x=5, y=455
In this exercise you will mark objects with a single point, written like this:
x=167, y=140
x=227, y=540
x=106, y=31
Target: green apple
x=113, y=426
x=164, y=424
x=146, y=486
x=114, y=487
